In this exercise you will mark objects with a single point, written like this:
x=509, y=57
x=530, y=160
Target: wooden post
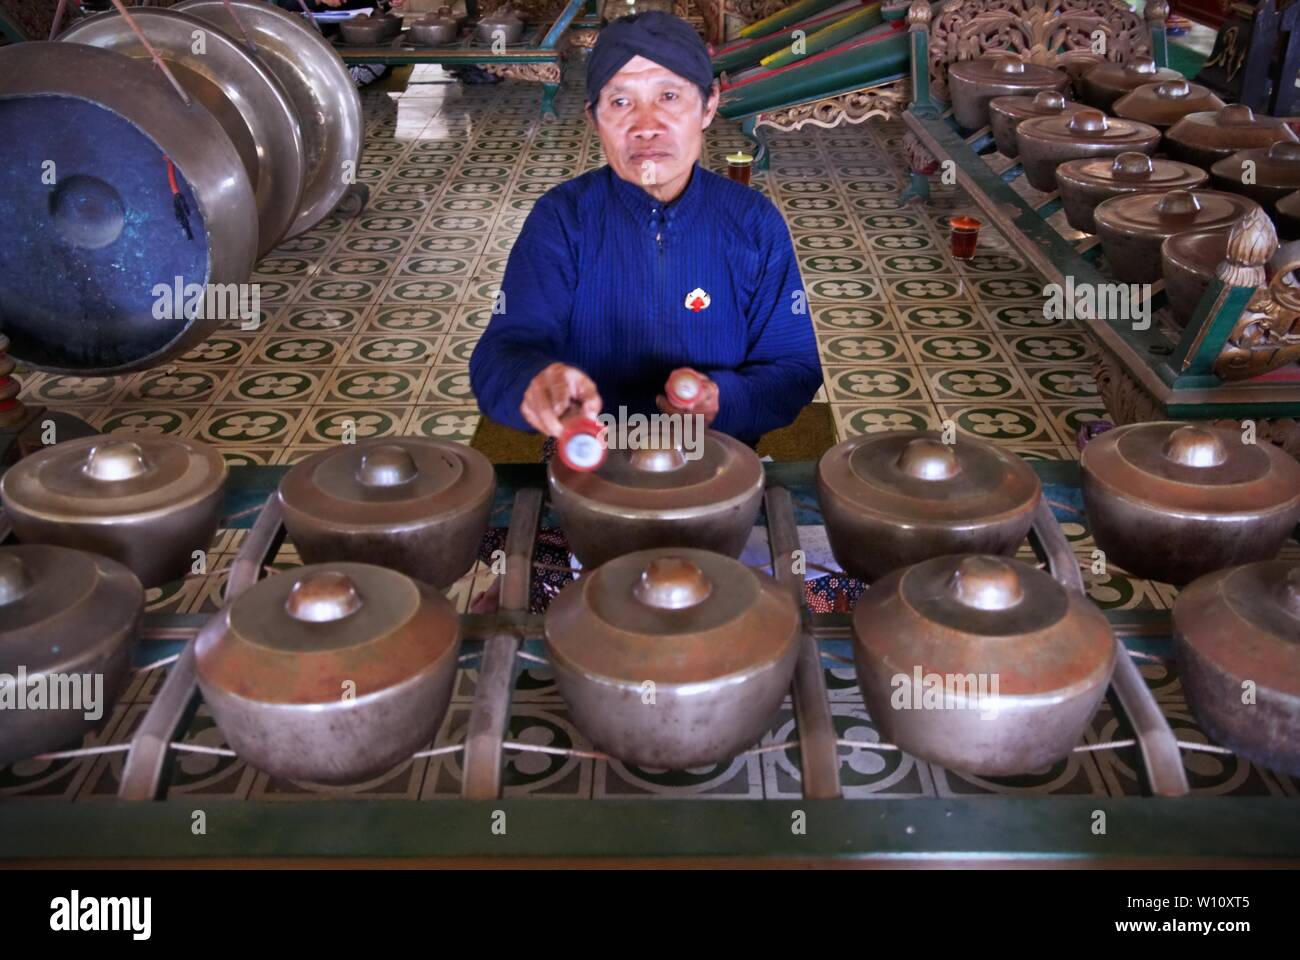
x=918, y=31
x=1157, y=12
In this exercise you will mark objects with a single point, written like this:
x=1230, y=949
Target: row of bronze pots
x=1092, y=158
x=340, y=669
x=661, y=603
x=435, y=29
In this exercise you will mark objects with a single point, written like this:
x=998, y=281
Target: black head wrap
x=667, y=40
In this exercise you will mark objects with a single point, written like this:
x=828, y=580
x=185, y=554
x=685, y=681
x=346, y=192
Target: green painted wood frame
x=544, y=51
x=892, y=832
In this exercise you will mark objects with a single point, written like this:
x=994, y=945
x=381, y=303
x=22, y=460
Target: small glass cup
x=738, y=167
x=965, y=236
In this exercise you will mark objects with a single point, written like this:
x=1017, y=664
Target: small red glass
x=965, y=236
x=739, y=166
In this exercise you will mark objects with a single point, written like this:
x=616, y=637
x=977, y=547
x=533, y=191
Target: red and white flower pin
x=697, y=300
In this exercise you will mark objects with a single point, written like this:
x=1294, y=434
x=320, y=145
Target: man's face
x=651, y=124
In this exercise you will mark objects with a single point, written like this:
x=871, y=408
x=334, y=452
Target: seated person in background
x=649, y=265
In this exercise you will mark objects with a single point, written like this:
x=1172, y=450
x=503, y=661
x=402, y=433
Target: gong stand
x=505, y=634
x=142, y=775
x=15, y=416
x=23, y=428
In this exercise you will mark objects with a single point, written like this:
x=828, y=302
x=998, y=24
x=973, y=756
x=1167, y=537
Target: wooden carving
x=535, y=72
x=1267, y=334
x=1041, y=31
x=853, y=107
x=752, y=10
x=1126, y=402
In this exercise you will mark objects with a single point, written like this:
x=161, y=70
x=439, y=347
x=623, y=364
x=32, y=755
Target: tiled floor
x=372, y=321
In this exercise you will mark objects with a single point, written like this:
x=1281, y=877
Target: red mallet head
x=580, y=447
x=684, y=387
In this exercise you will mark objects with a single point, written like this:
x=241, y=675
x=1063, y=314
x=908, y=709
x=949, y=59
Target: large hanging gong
x=316, y=80
x=242, y=94
x=89, y=227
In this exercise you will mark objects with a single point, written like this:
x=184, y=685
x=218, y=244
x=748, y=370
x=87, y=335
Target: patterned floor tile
x=1051, y=347
x=856, y=384
x=851, y=421
x=938, y=318
x=244, y=425
x=1000, y=422
x=333, y=425
x=372, y=385
x=958, y=348
x=978, y=381
x=863, y=349
x=274, y=384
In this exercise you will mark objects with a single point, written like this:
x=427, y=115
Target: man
x=649, y=265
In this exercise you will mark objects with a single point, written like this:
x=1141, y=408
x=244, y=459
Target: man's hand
x=552, y=392
x=705, y=403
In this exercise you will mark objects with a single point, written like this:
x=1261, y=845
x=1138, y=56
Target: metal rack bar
x=1156, y=742
x=491, y=710
x=507, y=631
x=818, y=757
x=142, y=773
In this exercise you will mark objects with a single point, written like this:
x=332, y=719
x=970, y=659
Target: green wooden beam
x=882, y=832
x=828, y=36
x=800, y=10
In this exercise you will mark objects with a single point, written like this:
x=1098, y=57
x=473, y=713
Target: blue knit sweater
x=600, y=278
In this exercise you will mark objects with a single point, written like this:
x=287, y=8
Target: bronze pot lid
x=671, y=615
x=384, y=482
x=913, y=477
x=57, y=606
x=1235, y=127
x=1133, y=170
x=660, y=483
x=988, y=616
x=106, y=478
x=1165, y=103
x=1005, y=71
x=502, y=17
x=1246, y=622
x=1138, y=72
x=1199, y=250
x=1276, y=166
x=1088, y=126
x=442, y=18
x=1177, y=211
x=1192, y=469
x=1045, y=103
x=311, y=634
